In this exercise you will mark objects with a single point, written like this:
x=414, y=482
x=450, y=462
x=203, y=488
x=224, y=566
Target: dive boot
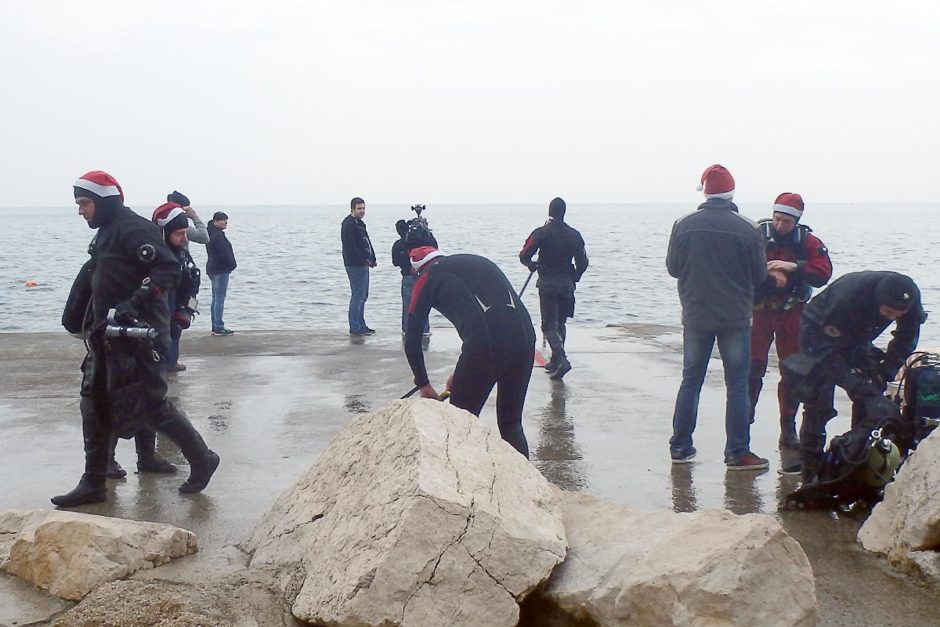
x=90, y=489
x=200, y=473
x=155, y=463
x=564, y=366
x=115, y=470
x=147, y=458
x=788, y=437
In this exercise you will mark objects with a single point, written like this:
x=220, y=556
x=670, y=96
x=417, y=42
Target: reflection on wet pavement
x=684, y=496
x=558, y=455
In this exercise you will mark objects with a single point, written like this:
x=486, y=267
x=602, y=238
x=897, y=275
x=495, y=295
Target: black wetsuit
x=498, y=338
x=557, y=245
x=124, y=386
x=838, y=327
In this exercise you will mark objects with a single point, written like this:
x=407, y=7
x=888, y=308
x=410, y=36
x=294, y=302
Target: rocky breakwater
x=69, y=554
x=416, y=514
x=905, y=526
x=711, y=567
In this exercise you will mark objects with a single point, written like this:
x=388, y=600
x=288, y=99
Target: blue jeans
x=219, y=288
x=359, y=288
x=734, y=346
x=407, y=285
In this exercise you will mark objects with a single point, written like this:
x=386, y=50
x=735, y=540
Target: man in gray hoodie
x=718, y=257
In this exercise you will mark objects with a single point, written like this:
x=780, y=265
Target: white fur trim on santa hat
x=417, y=264
x=175, y=211
x=101, y=190
x=723, y=195
x=787, y=209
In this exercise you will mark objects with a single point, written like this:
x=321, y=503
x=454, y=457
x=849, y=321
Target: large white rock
x=907, y=521
x=69, y=554
x=416, y=514
x=711, y=567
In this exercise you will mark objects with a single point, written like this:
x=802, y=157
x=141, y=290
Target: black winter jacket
x=845, y=316
x=718, y=256
x=357, y=247
x=221, y=256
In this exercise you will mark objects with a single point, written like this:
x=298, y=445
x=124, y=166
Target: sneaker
x=228, y=332
x=360, y=332
x=682, y=457
x=369, y=331
x=748, y=461
x=177, y=367
x=792, y=469
x=218, y=333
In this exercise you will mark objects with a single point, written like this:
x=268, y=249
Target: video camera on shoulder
x=138, y=331
x=419, y=233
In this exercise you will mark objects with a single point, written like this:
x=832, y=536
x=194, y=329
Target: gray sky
x=470, y=101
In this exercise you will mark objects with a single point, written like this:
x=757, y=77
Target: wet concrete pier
x=269, y=402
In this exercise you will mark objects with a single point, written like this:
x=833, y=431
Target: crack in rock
x=430, y=580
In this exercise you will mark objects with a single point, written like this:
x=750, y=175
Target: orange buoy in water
x=31, y=283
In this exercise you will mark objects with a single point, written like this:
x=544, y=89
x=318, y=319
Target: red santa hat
x=717, y=182
x=790, y=204
x=100, y=184
x=170, y=216
x=421, y=255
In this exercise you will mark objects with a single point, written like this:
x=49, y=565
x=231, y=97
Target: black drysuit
x=838, y=327
x=498, y=338
x=124, y=387
x=557, y=244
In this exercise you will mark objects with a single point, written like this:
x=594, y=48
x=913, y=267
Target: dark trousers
x=555, y=310
x=141, y=403
x=474, y=378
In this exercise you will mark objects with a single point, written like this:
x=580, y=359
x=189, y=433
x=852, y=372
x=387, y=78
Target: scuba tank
x=883, y=460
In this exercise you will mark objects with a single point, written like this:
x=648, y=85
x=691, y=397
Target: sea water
x=290, y=270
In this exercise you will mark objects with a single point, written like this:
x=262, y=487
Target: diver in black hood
x=124, y=386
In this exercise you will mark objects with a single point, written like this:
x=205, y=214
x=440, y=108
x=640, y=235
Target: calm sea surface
x=290, y=270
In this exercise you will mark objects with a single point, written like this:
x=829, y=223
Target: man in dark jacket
x=124, y=385
x=498, y=338
x=558, y=245
x=836, y=332
x=219, y=266
x=358, y=257
x=718, y=257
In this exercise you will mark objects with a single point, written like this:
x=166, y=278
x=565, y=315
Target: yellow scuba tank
x=882, y=462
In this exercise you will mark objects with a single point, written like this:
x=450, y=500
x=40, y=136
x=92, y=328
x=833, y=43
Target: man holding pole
x=562, y=260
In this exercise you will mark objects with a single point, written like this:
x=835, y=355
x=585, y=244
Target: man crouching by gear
x=123, y=377
x=497, y=334
x=836, y=334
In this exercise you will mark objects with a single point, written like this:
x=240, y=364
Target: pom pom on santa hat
x=717, y=182
x=790, y=204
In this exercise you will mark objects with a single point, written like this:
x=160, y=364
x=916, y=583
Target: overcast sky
x=470, y=101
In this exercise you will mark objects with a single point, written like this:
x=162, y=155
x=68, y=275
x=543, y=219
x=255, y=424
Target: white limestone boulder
x=905, y=526
x=711, y=567
x=69, y=554
x=415, y=514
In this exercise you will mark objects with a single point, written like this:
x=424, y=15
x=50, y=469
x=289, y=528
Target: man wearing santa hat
x=718, y=257
x=497, y=334
x=124, y=384
x=797, y=261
